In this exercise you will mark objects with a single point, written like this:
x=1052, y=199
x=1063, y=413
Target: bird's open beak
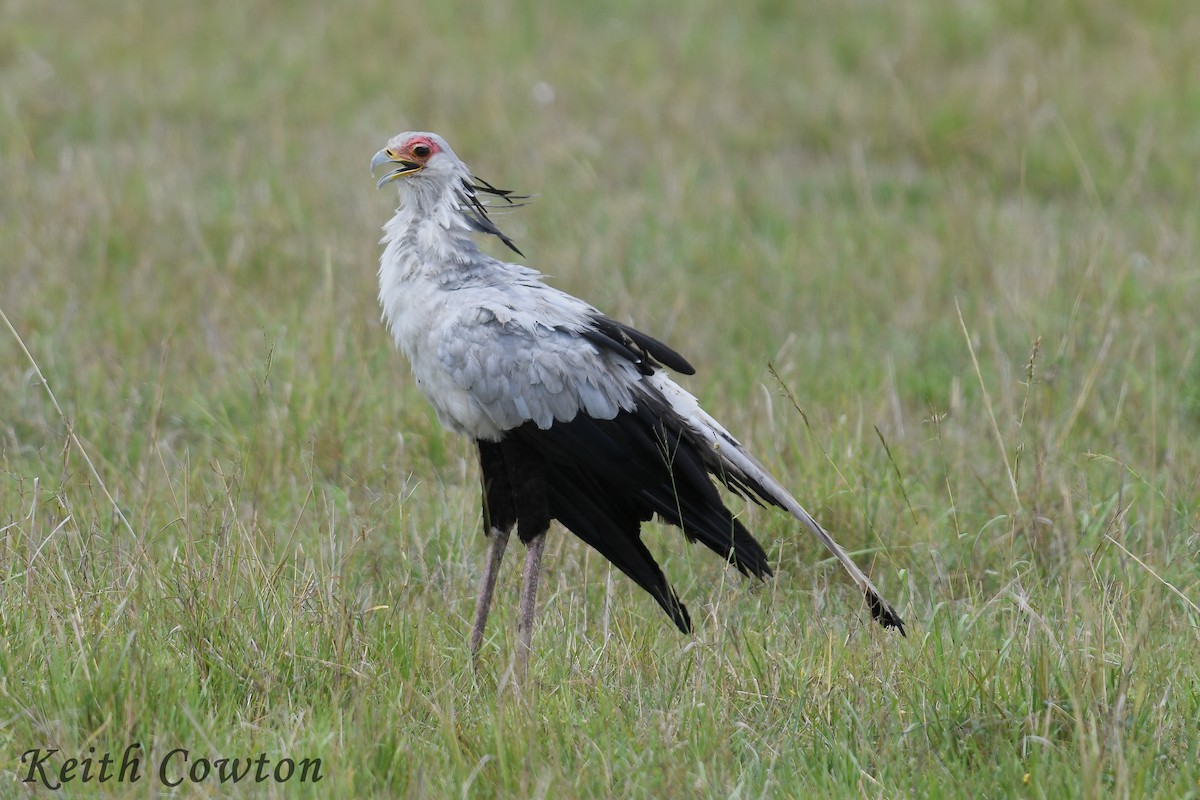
x=389, y=156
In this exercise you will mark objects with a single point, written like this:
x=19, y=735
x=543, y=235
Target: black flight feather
x=624, y=339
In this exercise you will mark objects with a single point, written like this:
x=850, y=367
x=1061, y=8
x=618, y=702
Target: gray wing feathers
x=518, y=366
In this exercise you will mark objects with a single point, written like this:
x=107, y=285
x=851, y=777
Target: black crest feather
x=477, y=211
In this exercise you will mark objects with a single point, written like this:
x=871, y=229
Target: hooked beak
x=389, y=156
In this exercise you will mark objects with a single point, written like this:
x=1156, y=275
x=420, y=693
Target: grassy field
x=965, y=236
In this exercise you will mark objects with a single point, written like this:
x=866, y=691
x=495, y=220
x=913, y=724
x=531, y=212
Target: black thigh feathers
x=514, y=488
x=602, y=479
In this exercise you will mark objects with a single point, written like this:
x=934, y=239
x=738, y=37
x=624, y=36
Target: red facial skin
x=419, y=149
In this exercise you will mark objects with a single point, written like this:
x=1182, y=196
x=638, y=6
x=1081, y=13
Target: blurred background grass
x=863, y=196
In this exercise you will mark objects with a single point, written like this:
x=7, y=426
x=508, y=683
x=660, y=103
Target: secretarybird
x=572, y=412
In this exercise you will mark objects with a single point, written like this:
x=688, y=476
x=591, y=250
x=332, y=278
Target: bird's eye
x=421, y=150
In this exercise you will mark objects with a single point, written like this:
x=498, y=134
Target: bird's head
x=417, y=153
x=432, y=177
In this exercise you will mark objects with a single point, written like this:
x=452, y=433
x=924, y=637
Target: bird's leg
x=487, y=587
x=533, y=568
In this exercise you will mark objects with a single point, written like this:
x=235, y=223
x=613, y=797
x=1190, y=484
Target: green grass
x=869, y=198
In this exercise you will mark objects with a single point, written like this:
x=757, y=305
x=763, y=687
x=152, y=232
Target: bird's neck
x=428, y=238
x=428, y=250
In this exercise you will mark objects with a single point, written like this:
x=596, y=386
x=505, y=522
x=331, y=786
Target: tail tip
x=884, y=614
